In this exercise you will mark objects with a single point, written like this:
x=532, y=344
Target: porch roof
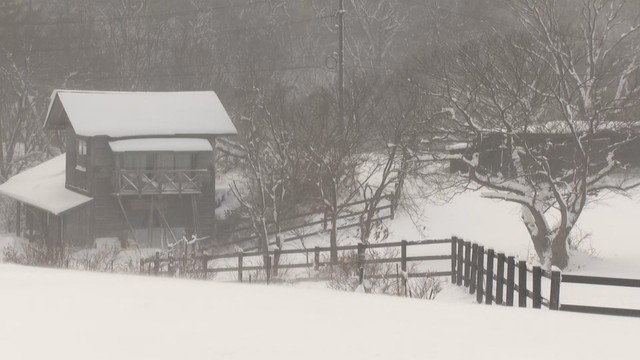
x=43, y=186
x=161, y=144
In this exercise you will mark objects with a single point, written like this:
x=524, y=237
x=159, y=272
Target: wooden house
x=555, y=142
x=138, y=170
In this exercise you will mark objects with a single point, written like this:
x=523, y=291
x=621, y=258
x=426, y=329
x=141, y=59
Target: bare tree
x=568, y=73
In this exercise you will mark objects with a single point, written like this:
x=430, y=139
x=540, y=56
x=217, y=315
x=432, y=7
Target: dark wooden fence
x=600, y=281
x=496, y=278
x=314, y=258
x=303, y=226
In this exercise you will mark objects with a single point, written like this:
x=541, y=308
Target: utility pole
x=341, y=64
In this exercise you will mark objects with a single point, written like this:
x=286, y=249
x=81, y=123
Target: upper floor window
x=82, y=152
x=159, y=161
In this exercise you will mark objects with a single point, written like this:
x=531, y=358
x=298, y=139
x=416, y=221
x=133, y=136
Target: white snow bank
x=119, y=114
x=43, y=186
x=73, y=315
x=161, y=144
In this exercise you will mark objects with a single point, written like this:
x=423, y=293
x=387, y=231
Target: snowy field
x=61, y=314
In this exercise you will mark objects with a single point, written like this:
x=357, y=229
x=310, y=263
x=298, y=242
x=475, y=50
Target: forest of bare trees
x=415, y=71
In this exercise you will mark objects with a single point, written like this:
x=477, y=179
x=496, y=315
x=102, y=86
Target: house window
x=159, y=161
x=81, y=161
x=138, y=161
x=184, y=161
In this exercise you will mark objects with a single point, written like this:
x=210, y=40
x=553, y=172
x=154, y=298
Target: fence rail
x=483, y=272
x=274, y=261
x=494, y=278
x=387, y=203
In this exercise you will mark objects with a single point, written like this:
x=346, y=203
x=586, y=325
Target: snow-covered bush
x=380, y=278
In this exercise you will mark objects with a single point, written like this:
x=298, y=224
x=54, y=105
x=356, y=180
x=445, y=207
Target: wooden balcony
x=159, y=182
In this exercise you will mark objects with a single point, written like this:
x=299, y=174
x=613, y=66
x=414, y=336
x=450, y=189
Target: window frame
x=82, y=154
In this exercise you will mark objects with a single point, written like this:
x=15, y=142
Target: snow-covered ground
x=63, y=314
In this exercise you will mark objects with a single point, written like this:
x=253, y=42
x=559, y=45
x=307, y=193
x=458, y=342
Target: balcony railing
x=155, y=182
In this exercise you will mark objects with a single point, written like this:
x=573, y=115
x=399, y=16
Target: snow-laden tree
x=568, y=74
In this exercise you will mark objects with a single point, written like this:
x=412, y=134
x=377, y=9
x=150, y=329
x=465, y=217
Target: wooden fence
x=276, y=260
x=496, y=278
x=300, y=223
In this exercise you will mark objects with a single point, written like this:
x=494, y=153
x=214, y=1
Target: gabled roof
x=124, y=114
x=43, y=186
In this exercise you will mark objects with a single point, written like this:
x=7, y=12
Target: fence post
x=403, y=263
x=454, y=259
x=205, y=264
x=142, y=266
x=360, y=261
x=480, y=273
x=467, y=263
x=156, y=263
x=511, y=274
x=554, y=294
x=240, y=261
x=267, y=266
x=537, y=287
x=474, y=259
x=522, y=283
x=489, y=286
x=316, y=259
x=460, y=260
x=392, y=199
x=276, y=261
x=324, y=219
x=500, y=278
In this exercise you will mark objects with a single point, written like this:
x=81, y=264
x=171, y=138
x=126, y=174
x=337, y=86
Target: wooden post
x=316, y=261
x=474, y=259
x=480, y=273
x=454, y=259
x=489, y=286
x=460, y=265
x=324, y=219
x=393, y=205
x=240, y=260
x=267, y=266
x=536, y=287
x=522, y=283
x=18, y=217
x=156, y=263
x=170, y=267
x=205, y=263
x=403, y=262
x=142, y=266
x=276, y=261
x=360, y=258
x=511, y=270
x=500, y=278
x=467, y=263
x=554, y=294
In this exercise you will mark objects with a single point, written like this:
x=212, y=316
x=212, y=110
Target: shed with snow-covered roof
x=139, y=167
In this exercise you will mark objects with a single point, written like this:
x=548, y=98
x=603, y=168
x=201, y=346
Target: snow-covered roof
x=123, y=114
x=457, y=146
x=161, y=144
x=43, y=186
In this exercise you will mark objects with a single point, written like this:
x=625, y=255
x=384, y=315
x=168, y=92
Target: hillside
x=130, y=317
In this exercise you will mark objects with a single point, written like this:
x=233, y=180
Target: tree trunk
x=333, y=239
x=559, y=254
